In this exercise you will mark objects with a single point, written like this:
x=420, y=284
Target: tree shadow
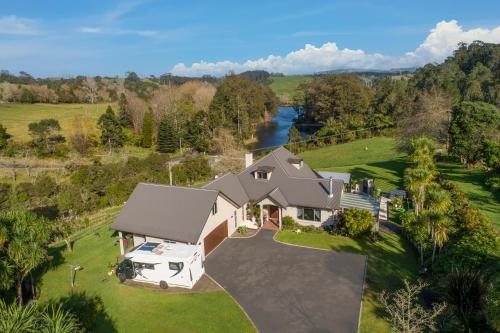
x=89, y=310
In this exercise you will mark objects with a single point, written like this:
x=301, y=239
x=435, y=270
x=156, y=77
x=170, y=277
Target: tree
x=45, y=137
x=34, y=318
x=438, y=203
x=414, y=227
x=197, y=133
x=147, y=130
x=111, y=131
x=167, y=138
x=472, y=124
x=123, y=114
x=26, y=245
x=356, y=222
x=27, y=96
x=4, y=137
x=344, y=97
x=467, y=292
x=422, y=170
x=404, y=311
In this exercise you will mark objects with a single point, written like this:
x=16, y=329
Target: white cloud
x=439, y=44
x=13, y=25
x=113, y=31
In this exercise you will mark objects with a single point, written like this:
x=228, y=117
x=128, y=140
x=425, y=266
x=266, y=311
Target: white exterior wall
x=225, y=211
x=138, y=240
x=327, y=217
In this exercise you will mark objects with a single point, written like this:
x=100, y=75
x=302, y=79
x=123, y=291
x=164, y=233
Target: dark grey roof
x=171, y=212
x=278, y=197
x=299, y=187
x=266, y=168
x=230, y=185
x=293, y=160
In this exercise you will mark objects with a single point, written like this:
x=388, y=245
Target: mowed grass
x=378, y=158
x=16, y=117
x=375, y=158
x=287, y=85
x=390, y=261
x=131, y=308
x=471, y=181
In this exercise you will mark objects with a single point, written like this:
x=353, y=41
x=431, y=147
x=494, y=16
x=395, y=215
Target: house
x=279, y=183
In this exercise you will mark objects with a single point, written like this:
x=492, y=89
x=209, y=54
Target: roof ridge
x=179, y=187
x=216, y=179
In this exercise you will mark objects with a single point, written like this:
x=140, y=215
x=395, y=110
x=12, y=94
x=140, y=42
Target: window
x=214, y=208
x=140, y=265
x=175, y=266
x=261, y=175
x=309, y=214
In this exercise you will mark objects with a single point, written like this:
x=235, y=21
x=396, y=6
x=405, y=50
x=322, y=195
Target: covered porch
x=270, y=214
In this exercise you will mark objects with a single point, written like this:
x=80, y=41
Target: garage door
x=215, y=237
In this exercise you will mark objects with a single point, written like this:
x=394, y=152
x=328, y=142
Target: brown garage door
x=215, y=237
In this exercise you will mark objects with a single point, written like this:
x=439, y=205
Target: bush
x=288, y=223
x=311, y=229
x=242, y=230
x=356, y=222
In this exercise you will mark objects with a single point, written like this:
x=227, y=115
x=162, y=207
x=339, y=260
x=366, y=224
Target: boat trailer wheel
x=163, y=284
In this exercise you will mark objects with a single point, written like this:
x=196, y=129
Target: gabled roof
x=230, y=185
x=171, y=212
x=278, y=197
x=297, y=187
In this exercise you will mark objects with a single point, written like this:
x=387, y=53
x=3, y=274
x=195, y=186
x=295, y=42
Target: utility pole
x=170, y=172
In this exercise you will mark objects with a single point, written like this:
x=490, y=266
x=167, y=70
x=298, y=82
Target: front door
x=273, y=212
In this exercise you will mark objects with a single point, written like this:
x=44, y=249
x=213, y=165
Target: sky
x=152, y=37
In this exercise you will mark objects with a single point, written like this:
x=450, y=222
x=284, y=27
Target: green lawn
x=389, y=262
x=375, y=158
x=16, y=117
x=135, y=309
x=287, y=85
x=471, y=181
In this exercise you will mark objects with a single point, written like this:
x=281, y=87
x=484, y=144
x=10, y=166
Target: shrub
x=311, y=229
x=242, y=230
x=356, y=222
x=288, y=223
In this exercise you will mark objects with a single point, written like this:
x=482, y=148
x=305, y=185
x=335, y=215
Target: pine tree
x=167, y=138
x=123, y=116
x=111, y=131
x=147, y=130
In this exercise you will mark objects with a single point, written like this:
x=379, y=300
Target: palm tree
x=32, y=318
x=438, y=205
x=26, y=247
x=441, y=232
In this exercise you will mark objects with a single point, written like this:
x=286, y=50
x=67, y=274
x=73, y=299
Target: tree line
x=455, y=103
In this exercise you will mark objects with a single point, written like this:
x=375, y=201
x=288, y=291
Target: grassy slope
x=135, y=309
x=16, y=117
x=389, y=262
x=471, y=181
x=375, y=158
x=286, y=85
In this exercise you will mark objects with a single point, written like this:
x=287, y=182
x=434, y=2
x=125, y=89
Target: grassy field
x=286, y=85
x=375, y=158
x=130, y=308
x=389, y=262
x=471, y=181
x=16, y=117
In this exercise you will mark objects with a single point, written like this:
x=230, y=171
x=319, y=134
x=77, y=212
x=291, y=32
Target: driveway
x=286, y=288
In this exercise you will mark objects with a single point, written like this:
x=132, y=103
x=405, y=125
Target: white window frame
x=302, y=216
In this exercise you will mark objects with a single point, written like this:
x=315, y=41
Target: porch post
x=261, y=214
x=279, y=217
x=122, y=249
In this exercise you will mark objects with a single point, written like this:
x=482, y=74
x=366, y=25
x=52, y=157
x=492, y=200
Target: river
x=275, y=132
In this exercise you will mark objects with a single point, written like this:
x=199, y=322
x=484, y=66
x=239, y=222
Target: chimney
x=330, y=194
x=248, y=159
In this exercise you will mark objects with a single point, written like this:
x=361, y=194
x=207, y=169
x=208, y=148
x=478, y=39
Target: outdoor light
x=74, y=268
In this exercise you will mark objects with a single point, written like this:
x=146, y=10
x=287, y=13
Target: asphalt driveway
x=290, y=289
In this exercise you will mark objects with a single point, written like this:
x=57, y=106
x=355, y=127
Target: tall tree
x=45, y=136
x=472, y=124
x=111, y=131
x=167, y=138
x=147, y=130
x=123, y=112
x=4, y=137
x=26, y=245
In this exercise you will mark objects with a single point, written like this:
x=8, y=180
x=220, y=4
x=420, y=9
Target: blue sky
x=49, y=38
